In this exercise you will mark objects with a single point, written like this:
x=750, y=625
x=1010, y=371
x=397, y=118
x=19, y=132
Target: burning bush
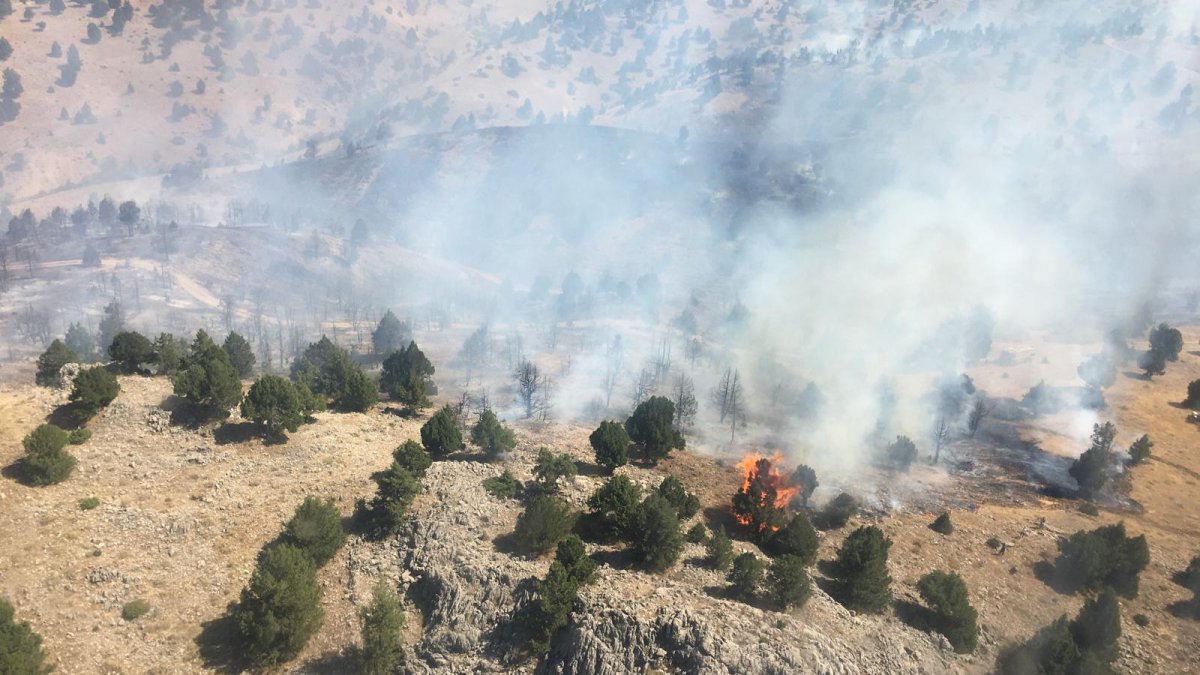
x=761, y=503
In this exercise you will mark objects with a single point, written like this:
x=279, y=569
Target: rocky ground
x=184, y=511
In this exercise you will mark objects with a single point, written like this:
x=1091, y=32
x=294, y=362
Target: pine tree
x=651, y=428
x=274, y=403
x=280, y=609
x=20, y=647
x=411, y=456
x=50, y=363
x=93, y=389
x=381, y=623
x=746, y=576
x=861, y=568
x=405, y=374
x=46, y=461
x=440, y=435
x=658, y=540
x=797, y=538
x=545, y=522
x=241, y=357
x=615, y=506
x=953, y=615
x=611, y=444
x=390, y=335
x=789, y=582
x=492, y=436
x=316, y=529
x=685, y=503
x=719, y=550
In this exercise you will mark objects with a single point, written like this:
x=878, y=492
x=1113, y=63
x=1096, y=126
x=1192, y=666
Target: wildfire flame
x=776, y=478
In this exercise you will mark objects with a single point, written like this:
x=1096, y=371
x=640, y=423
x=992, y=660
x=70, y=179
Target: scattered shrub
x=1141, y=620
x=241, y=356
x=719, y=550
x=273, y=403
x=45, y=461
x=861, y=569
x=390, y=335
x=837, y=512
x=789, y=582
x=797, y=538
x=942, y=524
x=993, y=542
x=745, y=577
x=1139, y=451
x=20, y=648
x=440, y=435
x=548, y=468
x=329, y=373
x=50, y=363
x=615, y=505
x=544, y=523
x=611, y=445
x=381, y=623
x=685, y=503
x=405, y=376
x=658, y=541
x=316, y=529
x=413, y=457
x=804, y=478
x=79, y=436
x=135, y=610
x=280, y=608
x=1193, y=395
x=208, y=380
x=503, y=486
x=1091, y=469
x=491, y=436
x=902, y=452
x=88, y=503
x=696, y=534
x=571, y=553
x=396, y=488
x=651, y=428
x=1102, y=557
x=952, y=613
x=93, y=389
x=130, y=350
x=1089, y=509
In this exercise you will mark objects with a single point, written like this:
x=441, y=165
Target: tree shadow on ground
x=1185, y=609
x=334, y=662
x=220, y=644
x=1048, y=574
x=1133, y=375
x=16, y=471
x=402, y=413
x=914, y=615
x=67, y=416
x=592, y=470
x=242, y=432
x=620, y=558
x=720, y=516
x=188, y=415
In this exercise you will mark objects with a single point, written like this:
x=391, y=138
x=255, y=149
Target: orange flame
x=776, y=478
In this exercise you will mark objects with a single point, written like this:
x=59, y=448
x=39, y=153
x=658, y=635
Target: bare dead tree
x=614, y=354
x=543, y=404
x=643, y=386
x=683, y=394
x=723, y=394
x=736, y=403
x=695, y=349
x=662, y=362
x=941, y=435
x=979, y=412
x=529, y=380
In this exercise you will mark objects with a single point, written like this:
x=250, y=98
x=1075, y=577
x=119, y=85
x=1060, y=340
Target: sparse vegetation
x=1102, y=557
x=611, y=444
x=745, y=577
x=315, y=529
x=21, y=650
x=504, y=486
x=614, y=507
x=544, y=523
x=719, y=550
x=441, y=435
x=275, y=404
x=88, y=503
x=696, y=534
x=492, y=436
x=46, y=462
x=280, y=609
x=837, y=512
x=209, y=380
x=381, y=623
x=685, y=503
x=658, y=540
x=395, y=490
x=942, y=524
x=411, y=456
x=241, y=357
x=861, y=570
x=134, y=610
x=796, y=538
x=952, y=613
x=902, y=452
x=1091, y=469
x=1085, y=645
x=1139, y=450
